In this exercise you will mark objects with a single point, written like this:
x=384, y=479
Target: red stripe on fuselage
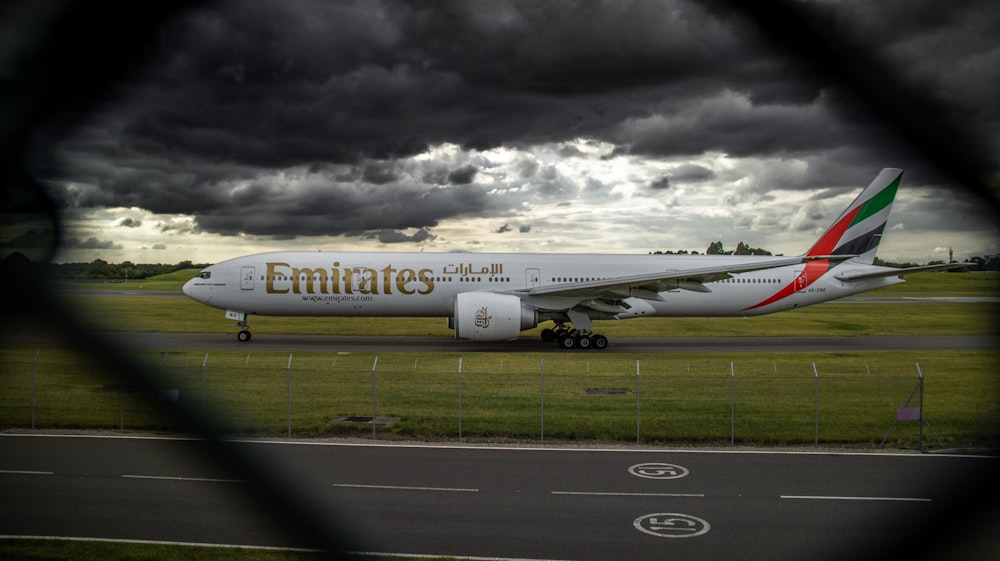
x=812, y=273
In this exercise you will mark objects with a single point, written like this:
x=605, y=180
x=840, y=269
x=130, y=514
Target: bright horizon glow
x=581, y=200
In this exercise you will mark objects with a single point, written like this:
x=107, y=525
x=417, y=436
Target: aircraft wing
x=648, y=286
x=892, y=272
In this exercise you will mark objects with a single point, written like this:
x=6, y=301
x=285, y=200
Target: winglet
x=859, y=228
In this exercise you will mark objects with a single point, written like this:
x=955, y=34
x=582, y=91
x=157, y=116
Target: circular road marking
x=671, y=525
x=658, y=471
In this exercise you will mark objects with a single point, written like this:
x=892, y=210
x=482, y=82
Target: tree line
x=716, y=248
x=98, y=269
x=976, y=263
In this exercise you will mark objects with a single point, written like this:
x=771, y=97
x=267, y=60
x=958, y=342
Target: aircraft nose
x=188, y=288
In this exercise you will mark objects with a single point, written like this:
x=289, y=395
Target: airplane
x=496, y=296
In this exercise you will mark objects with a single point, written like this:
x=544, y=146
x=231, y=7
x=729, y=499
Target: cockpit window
x=205, y=275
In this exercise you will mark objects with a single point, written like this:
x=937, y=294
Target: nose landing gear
x=241, y=321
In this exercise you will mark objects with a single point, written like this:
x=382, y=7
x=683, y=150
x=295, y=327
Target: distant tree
x=15, y=261
x=98, y=269
x=976, y=263
x=715, y=248
x=744, y=248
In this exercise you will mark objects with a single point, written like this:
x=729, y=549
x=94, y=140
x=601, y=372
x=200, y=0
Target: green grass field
x=680, y=398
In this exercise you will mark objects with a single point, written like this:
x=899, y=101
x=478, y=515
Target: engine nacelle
x=487, y=316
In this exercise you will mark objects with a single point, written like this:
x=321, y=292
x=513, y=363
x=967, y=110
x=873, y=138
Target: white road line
x=834, y=498
x=257, y=547
x=166, y=478
x=25, y=472
x=460, y=557
x=159, y=542
x=406, y=488
x=467, y=447
x=604, y=494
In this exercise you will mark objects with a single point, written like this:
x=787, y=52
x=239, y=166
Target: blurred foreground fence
x=655, y=398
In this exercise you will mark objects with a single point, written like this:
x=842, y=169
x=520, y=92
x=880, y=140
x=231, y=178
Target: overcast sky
x=619, y=127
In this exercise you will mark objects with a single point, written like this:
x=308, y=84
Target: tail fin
x=859, y=229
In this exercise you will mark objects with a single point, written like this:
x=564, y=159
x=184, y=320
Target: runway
x=324, y=343
x=499, y=503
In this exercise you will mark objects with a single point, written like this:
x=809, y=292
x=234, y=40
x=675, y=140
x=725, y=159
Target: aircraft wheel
x=243, y=336
x=548, y=335
x=583, y=342
x=567, y=341
x=599, y=342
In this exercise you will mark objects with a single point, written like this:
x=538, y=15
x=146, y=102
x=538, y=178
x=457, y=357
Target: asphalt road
x=501, y=502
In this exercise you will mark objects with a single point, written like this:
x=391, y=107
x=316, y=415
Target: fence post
x=541, y=374
x=638, y=410
x=204, y=384
x=288, y=372
x=920, y=374
x=732, y=404
x=34, y=368
x=816, y=374
x=374, y=424
x=460, y=398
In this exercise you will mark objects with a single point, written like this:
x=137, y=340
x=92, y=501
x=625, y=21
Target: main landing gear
x=571, y=338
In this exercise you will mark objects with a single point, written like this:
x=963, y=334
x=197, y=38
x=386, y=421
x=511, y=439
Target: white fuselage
x=425, y=284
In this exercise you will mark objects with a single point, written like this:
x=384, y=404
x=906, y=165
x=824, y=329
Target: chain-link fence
x=650, y=399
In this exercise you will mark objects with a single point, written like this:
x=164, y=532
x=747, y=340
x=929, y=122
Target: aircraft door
x=363, y=280
x=246, y=278
x=532, y=278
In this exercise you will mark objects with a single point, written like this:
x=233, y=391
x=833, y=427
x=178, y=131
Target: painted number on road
x=671, y=525
x=658, y=471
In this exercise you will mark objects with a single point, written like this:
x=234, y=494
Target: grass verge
x=522, y=396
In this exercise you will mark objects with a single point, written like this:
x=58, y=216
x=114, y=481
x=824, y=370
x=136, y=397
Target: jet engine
x=487, y=316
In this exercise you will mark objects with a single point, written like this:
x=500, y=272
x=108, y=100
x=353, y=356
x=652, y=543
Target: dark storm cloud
x=463, y=176
x=128, y=222
x=691, y=173
x=235, y=94
x=661, y=183
x=686, y=173
x=33, y=238
x=90, y=243
x=393, y=236
x=329, y=209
